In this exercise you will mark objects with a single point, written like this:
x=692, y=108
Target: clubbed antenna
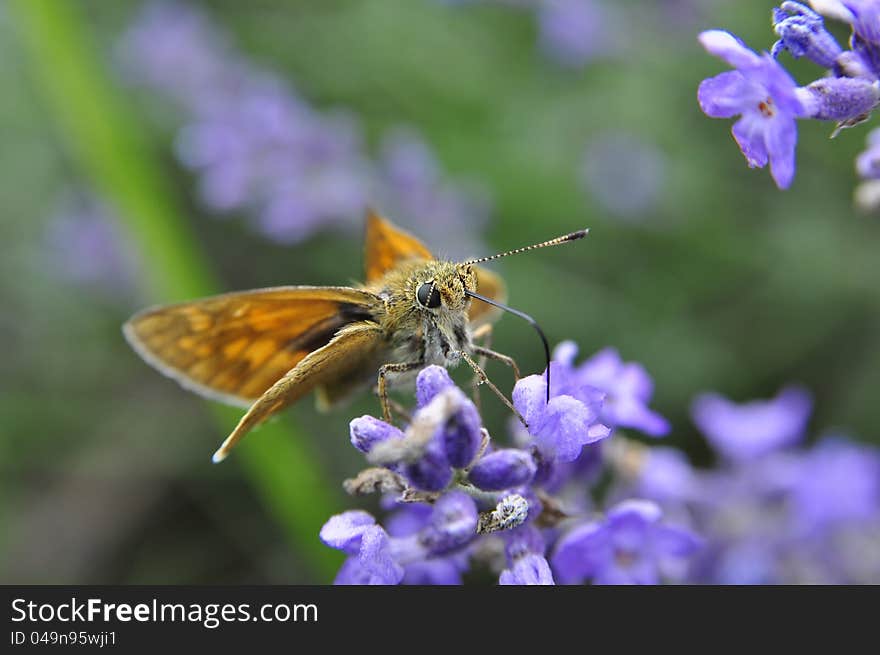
x=573, y=236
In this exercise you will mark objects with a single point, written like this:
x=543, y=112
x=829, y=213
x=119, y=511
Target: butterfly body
x=267, y=348
x=422, y=334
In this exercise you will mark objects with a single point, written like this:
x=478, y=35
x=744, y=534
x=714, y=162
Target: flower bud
x=503, y=469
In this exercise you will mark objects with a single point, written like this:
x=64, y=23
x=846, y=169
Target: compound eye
x=428, y=295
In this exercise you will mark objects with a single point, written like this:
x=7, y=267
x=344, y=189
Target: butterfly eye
x=428, y=295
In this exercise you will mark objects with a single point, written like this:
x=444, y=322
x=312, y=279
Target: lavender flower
x=574, y=32
x=765, y=98
x=771, y=511
x=839, y=483
x=85, y=246
x=528, y=570
x=802, y=33
x=769, y=101
x=625, y=387
x=624, y=174
x=629, y=546
x=563, y=426
x=867, y=193
x=868, y=162
x=742, y=432
x=257, y=147
x=409, y=181
x=458, y=499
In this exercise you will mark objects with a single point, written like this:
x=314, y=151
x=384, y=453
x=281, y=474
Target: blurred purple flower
x=85, y=245
x=763, y=94
x=259, y=148
x=574, y=32
x=750, y=430
x=624, y=174
x=409, y=183
x=868, y=162
x=629, y=546
x=839, y=482
x=666, y=475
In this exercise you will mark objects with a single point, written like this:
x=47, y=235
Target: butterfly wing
x=235, y=346
x=387, y=246
x=353, y=351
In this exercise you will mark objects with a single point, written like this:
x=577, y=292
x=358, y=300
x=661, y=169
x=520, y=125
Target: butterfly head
x=443, y=286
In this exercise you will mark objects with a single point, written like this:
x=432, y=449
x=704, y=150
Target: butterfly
x=265, y=349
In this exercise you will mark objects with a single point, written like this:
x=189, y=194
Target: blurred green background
x=718, y=281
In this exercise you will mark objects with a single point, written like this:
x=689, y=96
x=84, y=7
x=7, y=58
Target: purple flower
x=431, y=471
x=260, y=148
x=573, y=32
x=525, y=556
x=445, y=434
x=368, y=546
x=367, y=431
x=863, y=15
x=453, y=524
x=625, y=174
x=765, y=97
x=629, y=546
x=627, y=388
x=344, y=531
x=409, y=181
x=868, y=162
x=503, y=469
x=418, y=550
x=747, y=431
x=802, y=32
x=846, y=100
x=85, y=245
x=431, y=381
x=839, y=482
x=666, y=475
x=529, y=570
x=562, y=427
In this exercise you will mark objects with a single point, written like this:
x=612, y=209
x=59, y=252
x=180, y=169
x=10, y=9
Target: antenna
x=573, y=236
x=523, y=316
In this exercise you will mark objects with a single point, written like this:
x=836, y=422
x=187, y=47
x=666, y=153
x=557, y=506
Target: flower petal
x=781, y=140
x=749, y=134
x=729, y=48
x=344, y=531
x=529, y=570
x=724, y=95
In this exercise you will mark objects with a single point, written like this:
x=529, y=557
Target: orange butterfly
x=265, y=349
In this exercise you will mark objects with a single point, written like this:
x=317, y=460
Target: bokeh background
x=158, y=152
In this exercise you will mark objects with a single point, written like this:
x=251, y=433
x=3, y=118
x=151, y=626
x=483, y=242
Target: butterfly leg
x=482, y=334
x=491, y=354
x=384, y=370
x=484, y=350
x=484, y=379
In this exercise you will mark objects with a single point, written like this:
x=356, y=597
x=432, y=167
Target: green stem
x=103, y=136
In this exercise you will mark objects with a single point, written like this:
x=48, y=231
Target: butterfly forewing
x=235, y=346
x=386, y=246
